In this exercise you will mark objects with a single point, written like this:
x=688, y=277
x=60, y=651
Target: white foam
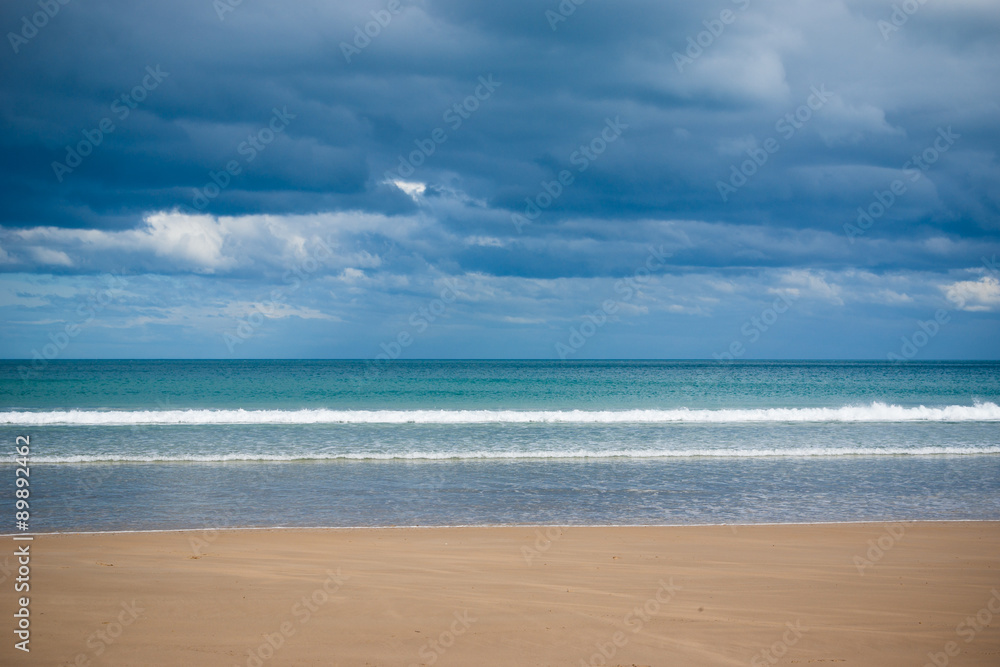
x=874, y=412
x=795, y=452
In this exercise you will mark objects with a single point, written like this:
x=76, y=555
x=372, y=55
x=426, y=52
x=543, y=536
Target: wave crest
x=874, y=412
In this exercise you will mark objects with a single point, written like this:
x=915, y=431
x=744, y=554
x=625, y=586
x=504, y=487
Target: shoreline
x=499, y=525
x=886, y=593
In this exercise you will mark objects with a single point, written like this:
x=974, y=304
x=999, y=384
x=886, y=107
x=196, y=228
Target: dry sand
x=512, y=596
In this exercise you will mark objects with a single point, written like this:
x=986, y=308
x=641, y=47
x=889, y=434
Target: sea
x=178, y=444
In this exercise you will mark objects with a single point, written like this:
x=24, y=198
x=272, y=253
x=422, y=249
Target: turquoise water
x=130, y=445
x=517, y=385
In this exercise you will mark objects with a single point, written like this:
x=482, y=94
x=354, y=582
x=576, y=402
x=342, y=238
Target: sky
x=735, y=179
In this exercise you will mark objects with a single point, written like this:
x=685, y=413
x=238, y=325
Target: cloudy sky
x=527, y=179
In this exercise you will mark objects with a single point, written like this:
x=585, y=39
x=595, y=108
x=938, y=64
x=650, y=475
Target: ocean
x=140, y=445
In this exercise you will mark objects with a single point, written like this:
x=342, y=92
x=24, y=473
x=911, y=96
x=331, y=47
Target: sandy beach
x=857, y=594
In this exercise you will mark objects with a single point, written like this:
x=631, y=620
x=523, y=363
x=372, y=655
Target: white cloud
x=50, y=257
x=189, y=242
x=413, y=188
x=197, y=240
x=174, y=242
x=351, y=275
x=890, y=297
x=805, y=283
x=487, y=241
x=274, y=311
x=974, y=295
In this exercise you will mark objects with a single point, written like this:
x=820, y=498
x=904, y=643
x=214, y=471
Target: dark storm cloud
x=535, y=151
x=686, y=129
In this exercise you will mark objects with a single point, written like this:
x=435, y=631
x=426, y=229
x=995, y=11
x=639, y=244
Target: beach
x=858, y=593
x=554, y=333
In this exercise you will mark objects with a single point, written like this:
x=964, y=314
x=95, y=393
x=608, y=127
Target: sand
x=853, y=594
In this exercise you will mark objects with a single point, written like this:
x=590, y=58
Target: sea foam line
x=794, y=452
x=874, y=412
